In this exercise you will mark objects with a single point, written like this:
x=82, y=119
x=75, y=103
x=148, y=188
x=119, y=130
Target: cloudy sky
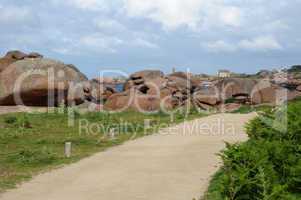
x=203, y=35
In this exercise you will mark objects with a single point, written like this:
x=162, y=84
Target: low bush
x=10, y=120
x=230, y=100
x=25, y=157
x=22, y=121
x=268, y=166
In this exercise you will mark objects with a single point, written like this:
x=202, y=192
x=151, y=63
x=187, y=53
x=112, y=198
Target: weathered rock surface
x=14, y=56
x=17, y=55
x=141, y=77
x=232, y=87
x=206, y=95
x=34, y=55
x=154, y=91
x=5, y=62
x=132, y=99
x=38, y=82
x=190, y=79
x=100, y=92
x=147, y=74
x=265, y=95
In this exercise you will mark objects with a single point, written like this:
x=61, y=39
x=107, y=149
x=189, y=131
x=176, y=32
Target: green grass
x=213, y=192
x=34, y=143
x=245, y=109
x=268, y=165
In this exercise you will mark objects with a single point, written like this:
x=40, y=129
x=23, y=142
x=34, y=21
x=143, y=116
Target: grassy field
x=33, y=143
x=268, y=166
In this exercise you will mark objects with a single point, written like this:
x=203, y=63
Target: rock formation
x=38, y=82
x=14, y=56
x=33, y=80
x=151, y=90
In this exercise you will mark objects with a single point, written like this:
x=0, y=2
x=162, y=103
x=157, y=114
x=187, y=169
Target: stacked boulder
x=151, y=90
x=230, y=93
x=31, y=79
x=100, y=91
x=224, y=91
x=206, y=97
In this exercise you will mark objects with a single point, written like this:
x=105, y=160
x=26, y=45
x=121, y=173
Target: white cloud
x=100, y=43
x=170, y=13
x=231, y=16
x=91, y=43
x=219, y=46
x=263, y=43
x=144, y=43
x=173, y=14
x=277, y=25
x=109, y=24
x=11, y=15
x=94, y=5
x=63, y=51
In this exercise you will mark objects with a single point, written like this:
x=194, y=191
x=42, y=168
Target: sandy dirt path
x=176, y=164
x=17, y=109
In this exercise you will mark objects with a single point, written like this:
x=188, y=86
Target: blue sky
x=131, y=35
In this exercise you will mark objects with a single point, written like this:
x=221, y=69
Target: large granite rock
x=17, y=55
x=273, y=95
x=232, y=87
x=189, y=77
x=100, y=92
x=5, y=62
x=38, y=82
x=172, y=91
x=14, y=56
x=147, y=74
x=132, y=99
x=206, y=95
x=141, y=77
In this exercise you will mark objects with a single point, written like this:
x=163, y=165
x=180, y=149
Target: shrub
x=294, y=68
x=33, y=157
x=268, y=166
x=22, y=121
x=10, y=120
x=230, y=100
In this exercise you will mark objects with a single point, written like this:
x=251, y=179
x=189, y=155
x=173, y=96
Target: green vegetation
x=33, y=143
x=230, y=100
x=294, y=69
x=268, y=166
x=244, y=109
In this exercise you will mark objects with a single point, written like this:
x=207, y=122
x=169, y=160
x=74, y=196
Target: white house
x=224, y=74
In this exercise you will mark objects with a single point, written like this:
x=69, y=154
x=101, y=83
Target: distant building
x=173, y=70
x=224, y=74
